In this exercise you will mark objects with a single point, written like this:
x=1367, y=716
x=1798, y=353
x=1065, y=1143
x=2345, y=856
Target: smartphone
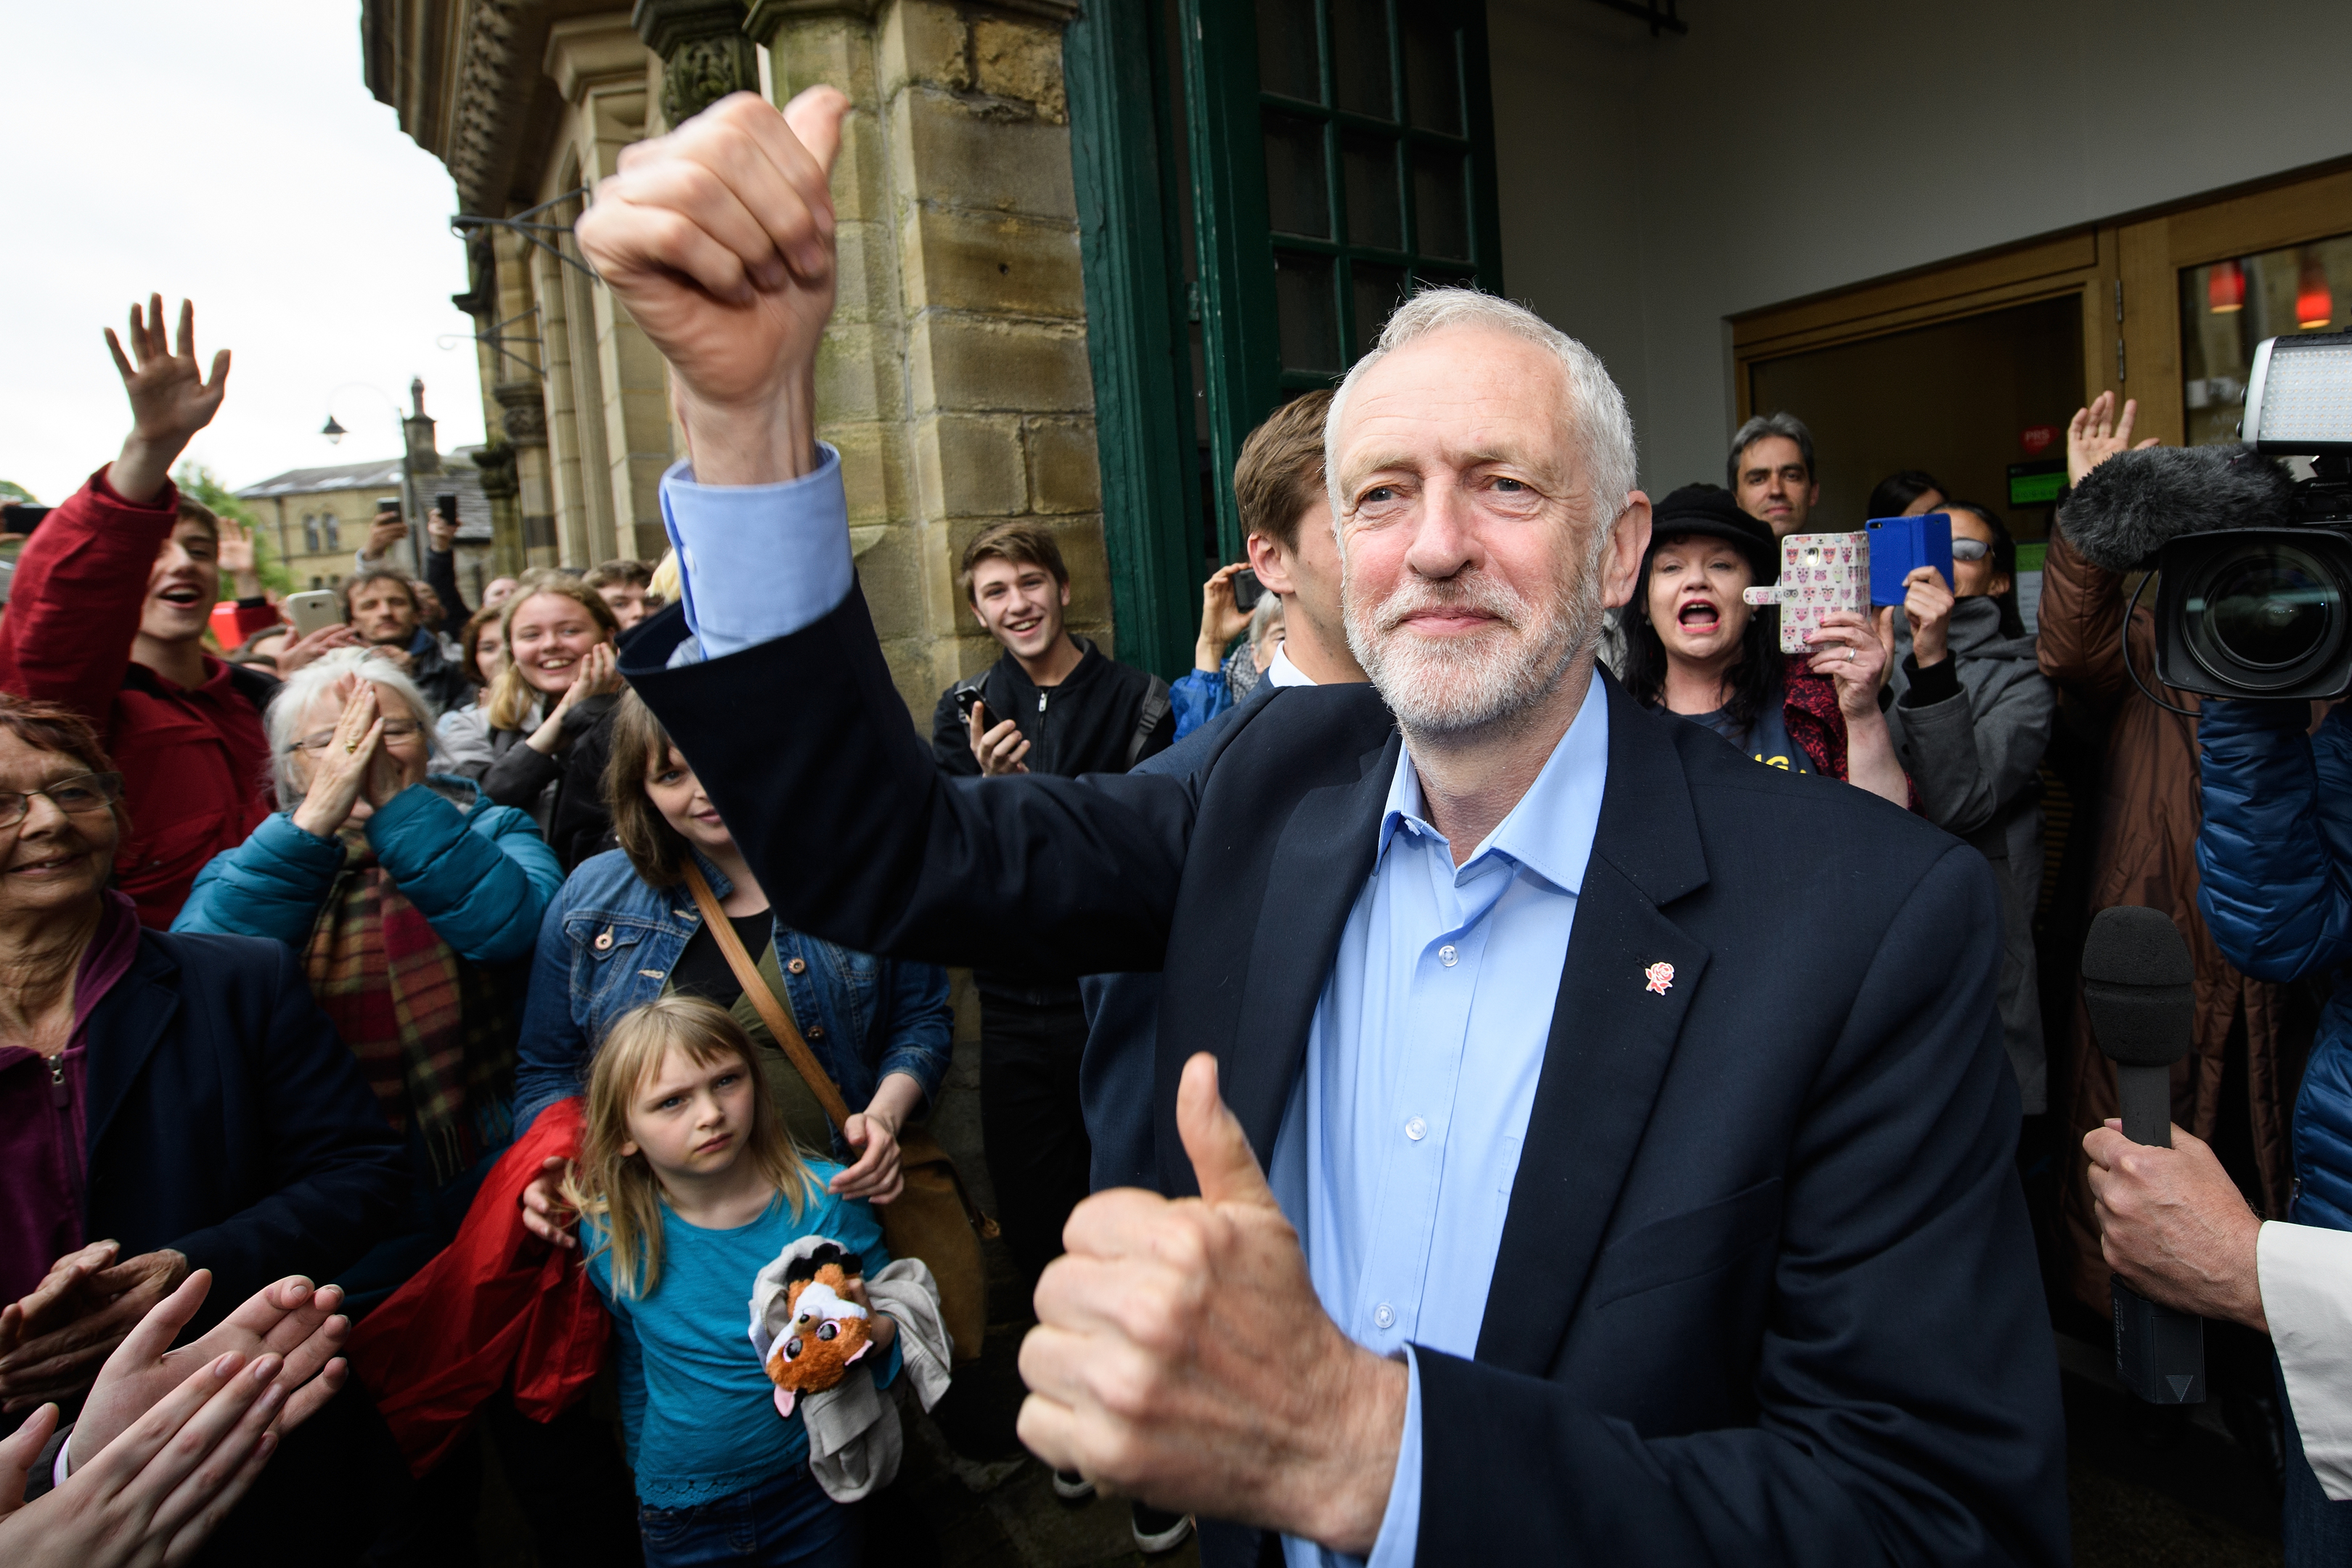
x=387, y=503
x=967, y=697
x=314, y=610
x=446, y=504
x=1819, y=573
x=1247, y=590
x=1900, y=546
x=22, y=517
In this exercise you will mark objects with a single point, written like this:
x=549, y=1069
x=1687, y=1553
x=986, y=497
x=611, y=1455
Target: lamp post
x=334, y=433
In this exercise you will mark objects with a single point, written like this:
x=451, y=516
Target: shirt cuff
x=2305, y=1274
x=758, y=562
x=58, y=1471
x=1400, y=1522
x=1938, y=682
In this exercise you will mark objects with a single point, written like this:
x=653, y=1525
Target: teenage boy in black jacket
x=1052, y=704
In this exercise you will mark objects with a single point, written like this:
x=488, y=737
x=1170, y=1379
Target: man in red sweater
x=106, y=613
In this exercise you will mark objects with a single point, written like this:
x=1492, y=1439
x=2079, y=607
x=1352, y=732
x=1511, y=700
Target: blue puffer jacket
x=2276, y=857
x=480, y=874
x=610, y=941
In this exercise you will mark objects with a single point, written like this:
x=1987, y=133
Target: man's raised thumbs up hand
x=719, y=239
x=1180, y=1354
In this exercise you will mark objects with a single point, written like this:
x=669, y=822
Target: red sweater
x=194, y=765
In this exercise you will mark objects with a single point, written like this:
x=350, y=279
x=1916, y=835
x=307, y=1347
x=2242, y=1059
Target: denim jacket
x=865, y=1017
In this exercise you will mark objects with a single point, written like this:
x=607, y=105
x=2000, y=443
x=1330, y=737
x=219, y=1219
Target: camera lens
x=2261, y=615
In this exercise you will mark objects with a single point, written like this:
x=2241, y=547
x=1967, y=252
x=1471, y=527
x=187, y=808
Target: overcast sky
x=232, y=154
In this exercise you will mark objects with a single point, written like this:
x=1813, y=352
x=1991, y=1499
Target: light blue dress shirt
x=1401, y=1139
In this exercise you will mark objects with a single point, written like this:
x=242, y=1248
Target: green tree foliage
x=17, y=492
x=200, y=483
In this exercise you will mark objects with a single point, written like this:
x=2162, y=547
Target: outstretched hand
x=717, y=238
x=2094, y=435
x=170, y=398
x=1180, y=1354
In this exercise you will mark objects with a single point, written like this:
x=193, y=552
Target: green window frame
x=1338, y=155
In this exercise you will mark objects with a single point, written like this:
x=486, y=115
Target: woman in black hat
x=1694, y=646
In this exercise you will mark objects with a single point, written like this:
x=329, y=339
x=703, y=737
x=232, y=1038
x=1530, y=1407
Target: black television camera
x=2254, y=585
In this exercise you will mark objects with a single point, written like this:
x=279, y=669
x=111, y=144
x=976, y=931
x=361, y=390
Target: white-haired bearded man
x=1577, y=1144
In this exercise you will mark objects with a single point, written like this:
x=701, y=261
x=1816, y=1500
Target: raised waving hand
x=170, y=398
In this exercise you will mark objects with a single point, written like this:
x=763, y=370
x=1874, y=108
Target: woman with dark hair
x=626, y=930
x=1694, y=646
x=168, y=1102
x=1909, y=493
x=1971, y=719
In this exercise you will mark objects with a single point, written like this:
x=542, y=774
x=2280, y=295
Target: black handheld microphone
x=2138, y=985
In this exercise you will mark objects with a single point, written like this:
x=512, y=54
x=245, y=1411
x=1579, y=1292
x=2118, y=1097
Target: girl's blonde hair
x=510, y=696
x=620, y=1192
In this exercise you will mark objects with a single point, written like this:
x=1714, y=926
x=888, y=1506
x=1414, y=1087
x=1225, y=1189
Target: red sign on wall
x=2038, y=439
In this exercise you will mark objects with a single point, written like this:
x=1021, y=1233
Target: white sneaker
x=1072, y=1486
x=1157, y=1531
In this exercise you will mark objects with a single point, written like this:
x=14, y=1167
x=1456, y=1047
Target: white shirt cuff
x=2306, y=1281
x=758, y=562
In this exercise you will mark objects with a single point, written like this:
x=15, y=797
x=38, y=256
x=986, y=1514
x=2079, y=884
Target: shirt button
x=1448, y=956
x=816, y=1031
x=798, y=966
x=1384, y=1315
x=1416, y=1128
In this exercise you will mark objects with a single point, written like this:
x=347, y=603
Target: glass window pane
x=1360, y=57
x=1378, y=291
x=2230, y=306
x=1443, y=214
x=1375, y=214
x=1307, y=314
x=1433, y=87
x=1286, y=49
x=1296, y=199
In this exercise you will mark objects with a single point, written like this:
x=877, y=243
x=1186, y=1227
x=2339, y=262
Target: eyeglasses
x=1971, y=550
x=395, y=732
x=80, y=796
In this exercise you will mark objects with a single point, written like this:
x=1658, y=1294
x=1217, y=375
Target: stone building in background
x=955, y=378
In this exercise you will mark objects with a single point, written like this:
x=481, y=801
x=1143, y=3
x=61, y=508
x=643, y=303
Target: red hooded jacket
x=195, y=763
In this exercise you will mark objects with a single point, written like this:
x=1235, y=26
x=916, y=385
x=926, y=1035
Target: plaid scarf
x=429, y=1030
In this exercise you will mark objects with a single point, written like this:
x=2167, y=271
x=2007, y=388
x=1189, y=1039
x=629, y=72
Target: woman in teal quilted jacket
x=413, y=901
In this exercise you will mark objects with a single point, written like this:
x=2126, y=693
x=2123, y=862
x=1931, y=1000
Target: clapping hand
x=717, y=239
x=2094, y=435
x=341, y=769
x=55, y=1338
x=170, y=398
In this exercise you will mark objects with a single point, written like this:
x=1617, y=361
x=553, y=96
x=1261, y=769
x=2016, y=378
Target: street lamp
x=334, y=432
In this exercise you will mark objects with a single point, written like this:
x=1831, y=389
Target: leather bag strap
x=771, y=1011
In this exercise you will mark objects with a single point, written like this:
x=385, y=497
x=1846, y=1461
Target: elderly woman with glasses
x=168, y=1103
x=413, y=902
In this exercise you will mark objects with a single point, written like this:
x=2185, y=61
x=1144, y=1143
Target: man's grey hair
x=297, y=691
x=1603, y=430
x=1763, y=427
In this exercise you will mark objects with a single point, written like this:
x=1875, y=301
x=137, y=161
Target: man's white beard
x=1465, y=683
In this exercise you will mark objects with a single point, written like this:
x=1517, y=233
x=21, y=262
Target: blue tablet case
x=1901, y=545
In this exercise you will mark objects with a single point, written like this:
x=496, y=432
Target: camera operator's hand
x=717, y=239
x=1928, y=601
x=2094, y=435
x=998, y=750
x=170, y=398
x=1221, y=620
x=1854, y=654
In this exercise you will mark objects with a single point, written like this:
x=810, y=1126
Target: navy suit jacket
x=227, y=1120
x=1766, y=1292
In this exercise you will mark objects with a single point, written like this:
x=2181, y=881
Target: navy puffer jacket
x=2276, y=858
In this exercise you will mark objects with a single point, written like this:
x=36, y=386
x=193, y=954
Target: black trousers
x=1031, y=1037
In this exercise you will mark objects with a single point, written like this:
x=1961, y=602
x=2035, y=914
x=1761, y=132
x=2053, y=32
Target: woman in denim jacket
x=625, y=930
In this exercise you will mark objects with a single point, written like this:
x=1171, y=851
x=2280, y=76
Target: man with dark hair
x=380, y=605
x=1771, y=472
x=626, y=586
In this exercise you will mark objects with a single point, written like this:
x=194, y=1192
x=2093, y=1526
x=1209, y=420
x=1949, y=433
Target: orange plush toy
x=820, y=1331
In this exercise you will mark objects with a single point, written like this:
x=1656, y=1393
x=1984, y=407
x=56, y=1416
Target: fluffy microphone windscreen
x=2138, y=986
x=2126, y=508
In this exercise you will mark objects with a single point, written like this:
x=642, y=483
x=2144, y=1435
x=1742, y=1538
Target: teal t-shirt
x=699, y=1410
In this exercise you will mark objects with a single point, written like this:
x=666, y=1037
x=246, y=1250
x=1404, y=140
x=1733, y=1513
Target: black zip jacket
x=1105, y=718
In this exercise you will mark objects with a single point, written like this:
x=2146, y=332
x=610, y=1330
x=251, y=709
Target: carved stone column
x=494, y=466
x=705, y=54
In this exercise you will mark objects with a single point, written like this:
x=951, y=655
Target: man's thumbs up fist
x=717, y=239
x=1180, y=1354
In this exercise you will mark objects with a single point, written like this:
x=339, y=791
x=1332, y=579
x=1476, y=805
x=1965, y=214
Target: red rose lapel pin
x=1661, y=977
